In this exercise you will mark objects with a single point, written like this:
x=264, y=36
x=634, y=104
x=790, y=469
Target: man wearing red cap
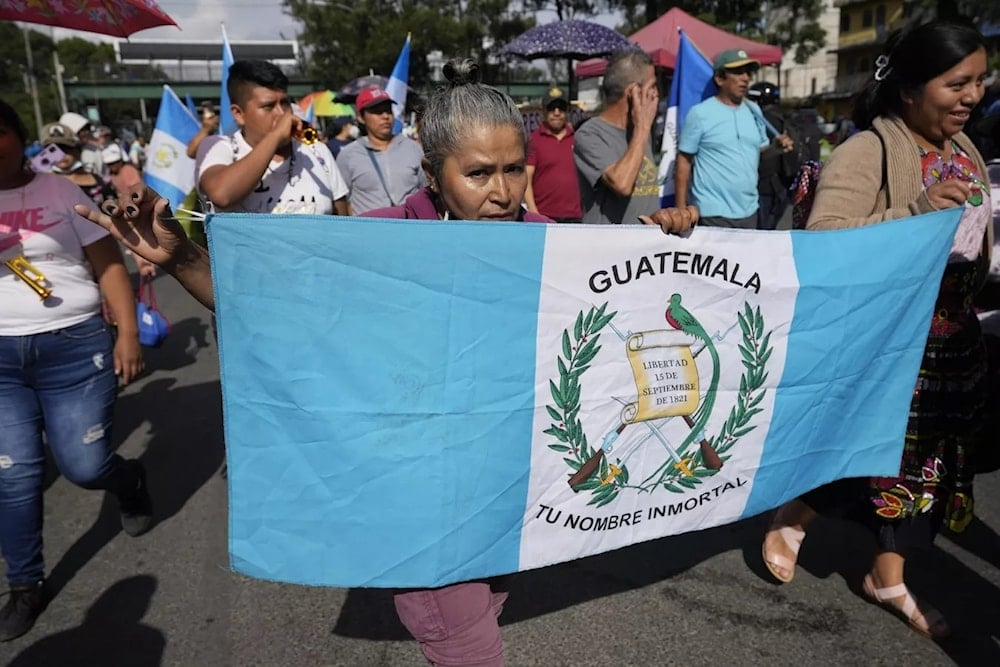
x=381, y=170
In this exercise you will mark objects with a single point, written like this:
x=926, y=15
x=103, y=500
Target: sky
x=244, y=20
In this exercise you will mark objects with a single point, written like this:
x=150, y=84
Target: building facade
x=817, y=75
x=864, y=27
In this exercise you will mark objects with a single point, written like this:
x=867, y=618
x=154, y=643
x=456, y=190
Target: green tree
x=85, y=60
x=345, y=41
x=567, y=9
x=791, y=24
x=794, y=26
x=81, y=60
x=976, y=10
x=742, y=16
x=14, y=74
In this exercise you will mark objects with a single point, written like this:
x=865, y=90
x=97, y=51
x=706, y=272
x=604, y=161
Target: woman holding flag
x=474, y=158
x=913, y=159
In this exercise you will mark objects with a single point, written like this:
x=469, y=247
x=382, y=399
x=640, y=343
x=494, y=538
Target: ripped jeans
x=61, y=382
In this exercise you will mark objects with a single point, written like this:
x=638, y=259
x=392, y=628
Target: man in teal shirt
x=720, y=145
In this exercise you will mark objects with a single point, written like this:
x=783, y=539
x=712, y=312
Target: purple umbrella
x=566, y=39
x=352, y=89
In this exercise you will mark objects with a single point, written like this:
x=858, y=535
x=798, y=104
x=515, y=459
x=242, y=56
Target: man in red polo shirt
x=553, y=187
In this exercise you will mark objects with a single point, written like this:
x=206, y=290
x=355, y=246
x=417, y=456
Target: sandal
x=926, y=621
x=793, y=540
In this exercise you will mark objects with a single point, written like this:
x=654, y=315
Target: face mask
x=75, y=167
x=353, y=132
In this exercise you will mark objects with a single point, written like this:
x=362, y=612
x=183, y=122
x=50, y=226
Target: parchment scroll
x=666, y=378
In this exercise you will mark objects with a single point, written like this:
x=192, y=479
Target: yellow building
x=864, y=27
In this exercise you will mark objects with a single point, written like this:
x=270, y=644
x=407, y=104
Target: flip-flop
x=793, y=540
x=922, y=621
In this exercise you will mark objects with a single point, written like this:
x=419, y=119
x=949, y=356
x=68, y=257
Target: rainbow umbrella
x=324, y=104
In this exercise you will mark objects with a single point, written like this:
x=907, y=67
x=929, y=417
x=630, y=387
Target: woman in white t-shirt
x=58, y=365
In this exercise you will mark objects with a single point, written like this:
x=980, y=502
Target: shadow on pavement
x=834, y=547
x=369, y=613
x=969, y=602
x=184, y=449
x=181, y=347
x=112, y=633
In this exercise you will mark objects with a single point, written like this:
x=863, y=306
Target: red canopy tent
x=660, y=40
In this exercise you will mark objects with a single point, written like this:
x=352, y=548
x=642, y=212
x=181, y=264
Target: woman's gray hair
x=625, y=68
x=459, y=107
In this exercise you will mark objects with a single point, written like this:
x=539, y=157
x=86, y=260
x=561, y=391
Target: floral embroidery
x=890, y=506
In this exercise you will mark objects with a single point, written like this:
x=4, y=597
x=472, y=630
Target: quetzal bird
x=680, y=318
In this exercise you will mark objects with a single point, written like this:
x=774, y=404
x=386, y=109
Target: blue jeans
x=61, y=382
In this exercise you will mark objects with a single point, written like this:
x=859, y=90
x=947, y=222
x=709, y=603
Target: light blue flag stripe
x=227, y=123
x=477, y=411
x=166, y=189
x=396, y=87
x=859, y=430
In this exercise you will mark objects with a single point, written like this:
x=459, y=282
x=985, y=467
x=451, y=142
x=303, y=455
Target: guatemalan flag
x=169, y=170
x=227, y=123
x=691, y=83
x=397, y=85
x=470, y=399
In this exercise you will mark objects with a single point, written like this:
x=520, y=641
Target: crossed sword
x=709, y=456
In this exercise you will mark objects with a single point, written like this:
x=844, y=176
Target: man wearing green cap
x=720, y=145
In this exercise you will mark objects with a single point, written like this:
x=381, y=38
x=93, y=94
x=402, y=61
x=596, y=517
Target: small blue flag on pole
x=691, y=83
x=227, y=123
x=190, y=105
x=397, y=85
x=169, y=170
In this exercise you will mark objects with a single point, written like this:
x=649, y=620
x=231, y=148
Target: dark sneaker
x=136, y=507
x=24, y=604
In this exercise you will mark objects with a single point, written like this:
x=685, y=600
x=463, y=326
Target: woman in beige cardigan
x=913, y=159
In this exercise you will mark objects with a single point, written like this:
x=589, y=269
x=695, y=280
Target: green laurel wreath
x=755, y=349
x=579, y=348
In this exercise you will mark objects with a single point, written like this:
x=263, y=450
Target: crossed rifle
x=709, y=456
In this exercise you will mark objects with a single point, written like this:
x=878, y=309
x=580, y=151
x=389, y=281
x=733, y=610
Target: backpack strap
x=885, y=166
x=381, y=178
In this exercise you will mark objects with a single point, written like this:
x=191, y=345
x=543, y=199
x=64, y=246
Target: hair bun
x=461, y=72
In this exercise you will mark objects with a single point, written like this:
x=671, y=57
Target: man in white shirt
x=263, y=168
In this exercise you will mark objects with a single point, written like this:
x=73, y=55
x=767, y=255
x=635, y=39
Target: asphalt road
x=169, y=598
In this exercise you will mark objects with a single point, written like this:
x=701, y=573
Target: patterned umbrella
x=120, y=18
x=350, y=90
x=566, y=39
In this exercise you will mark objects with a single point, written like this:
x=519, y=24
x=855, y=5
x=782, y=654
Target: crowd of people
x=474, y=160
